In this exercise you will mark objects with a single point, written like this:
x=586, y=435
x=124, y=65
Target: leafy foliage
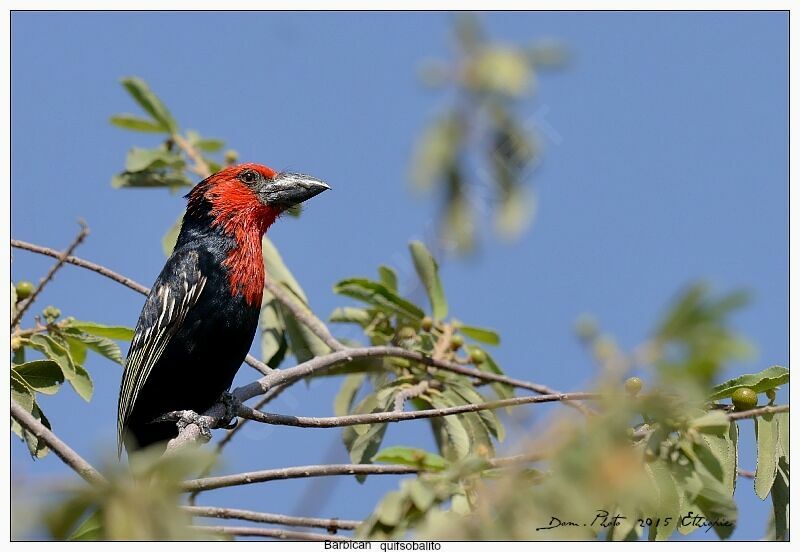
x=63, y=344
x=481, y=128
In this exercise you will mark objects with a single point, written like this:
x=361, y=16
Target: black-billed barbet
x=200, y=317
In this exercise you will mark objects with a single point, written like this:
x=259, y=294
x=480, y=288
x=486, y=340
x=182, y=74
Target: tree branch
x=50, y=273
x=331, y=524
x=304, y=315
x=119, y=278
x=399, y=416
x=756, y=412
x=270, y=533
x=200, y=167
x=59, y=447
x=296, y=472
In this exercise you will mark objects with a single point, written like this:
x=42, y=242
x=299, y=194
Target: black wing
x=175, y=292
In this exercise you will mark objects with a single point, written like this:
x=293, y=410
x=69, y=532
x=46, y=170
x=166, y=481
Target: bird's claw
x=230, y=420
x=189, y=417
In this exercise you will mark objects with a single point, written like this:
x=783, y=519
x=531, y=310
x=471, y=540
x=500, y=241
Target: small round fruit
x=426, y=324
x=24, y=290
x=51, y=313
x=744, y=399
x=16, y=343
x=633, y=385
x=771, y=394
x=406, y=332
x=456, y=342
x=476, y=356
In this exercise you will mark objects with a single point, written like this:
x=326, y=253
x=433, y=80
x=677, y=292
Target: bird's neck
x=243, y=220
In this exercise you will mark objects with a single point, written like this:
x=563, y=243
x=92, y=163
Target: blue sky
x=665, y=161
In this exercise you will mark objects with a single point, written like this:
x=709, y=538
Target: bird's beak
x=289, y=189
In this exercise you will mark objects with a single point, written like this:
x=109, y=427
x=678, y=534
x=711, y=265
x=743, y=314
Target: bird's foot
x=231, y=419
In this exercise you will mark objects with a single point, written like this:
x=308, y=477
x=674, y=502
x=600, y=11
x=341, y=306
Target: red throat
x=240, y=213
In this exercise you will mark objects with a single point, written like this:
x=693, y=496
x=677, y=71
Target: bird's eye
x=248, y=177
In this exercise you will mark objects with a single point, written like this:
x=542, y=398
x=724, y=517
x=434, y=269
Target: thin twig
x=295, y=472
x=390, y=417
x=298, y=472
x=200, y=167
x=59, y=447
x=747, y=474
x=84, y=231
x=409, y=393
x=119, y=278
x=304, y=315
x=331, y=524
x=756, y=412
x=270, y=533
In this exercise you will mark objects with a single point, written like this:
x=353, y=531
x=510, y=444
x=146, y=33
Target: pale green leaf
x=428, y=272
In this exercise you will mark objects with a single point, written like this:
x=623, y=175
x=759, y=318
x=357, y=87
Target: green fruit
x=51, y=313
x=744, y=399
x=771, y=394
x=633, y=385
x=406, y=332
x=456, y=342
x=24, y=289
x=476, y=356
x=16, y=343
x=426, y=324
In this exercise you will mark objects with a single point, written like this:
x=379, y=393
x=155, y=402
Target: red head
x=245, y=200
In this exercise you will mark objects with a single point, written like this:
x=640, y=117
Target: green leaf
x=780, y=501
x=55, y=351
x=766, y=379
x=392, y=508
x=209, y=145
x=380, y=296
x=136, y=123
x=43, y=376
x=483, y=335
x=420, y=494
x=388, y=277
x=101, y=345
x=352, y=315
x=140, y=92
x=410, y=456
x=274, y=343
x=151, y=179
x=91, y=529
x=347, y=393
x=37, y=447
x=428, y=271
x=122, y=333
x=669, y=502
x=782, y=419
x=171, y=237
x=21, y=393
x=458, y=443
x=715, y=421
x=140, y=159
x=363, y=441
x=768, y=453
x=488, y=417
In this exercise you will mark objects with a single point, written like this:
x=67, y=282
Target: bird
x=201, y=314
